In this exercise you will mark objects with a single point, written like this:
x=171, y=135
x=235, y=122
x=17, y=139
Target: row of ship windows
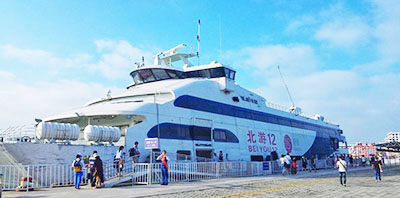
x=187, y=132
x=150, y=75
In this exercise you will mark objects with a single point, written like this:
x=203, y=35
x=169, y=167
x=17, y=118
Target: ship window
x=232, y=75
x=201, y=133
x=183, y=155
x=193, y=74
x=220, y=135
x=227, y=72
x=204, y=73
x=235, y=99
x=160, y=74
x=217, y=72
x=137, y=78
x=146, y=75
x=223, y=135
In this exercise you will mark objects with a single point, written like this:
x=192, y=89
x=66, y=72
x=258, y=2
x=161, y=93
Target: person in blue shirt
x=77, y=166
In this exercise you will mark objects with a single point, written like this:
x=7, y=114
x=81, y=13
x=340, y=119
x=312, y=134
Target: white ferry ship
x=194, y=111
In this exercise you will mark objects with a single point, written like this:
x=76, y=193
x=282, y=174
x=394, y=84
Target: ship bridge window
x=230, y=74
x=151, y=75
x=212, y=73
x=160, y=74
x=217, y=72
x=147, y=75
x=205, y=73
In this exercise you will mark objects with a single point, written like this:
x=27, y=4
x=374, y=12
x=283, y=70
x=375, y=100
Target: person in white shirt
x=341, y=165
x=282, y=161
x=288, y=162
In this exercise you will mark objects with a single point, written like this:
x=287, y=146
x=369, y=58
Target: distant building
x=359, y=149
x=393, y=137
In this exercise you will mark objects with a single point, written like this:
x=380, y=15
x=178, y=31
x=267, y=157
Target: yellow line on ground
x=278, y=188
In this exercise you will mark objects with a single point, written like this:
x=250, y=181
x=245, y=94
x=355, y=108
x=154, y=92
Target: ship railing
x=28, y=177
x=286, y=109
x=14, y=134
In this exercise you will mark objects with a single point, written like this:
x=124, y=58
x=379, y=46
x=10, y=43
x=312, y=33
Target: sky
x=340, y=59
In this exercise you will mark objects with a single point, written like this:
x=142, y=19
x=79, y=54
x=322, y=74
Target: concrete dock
x=323, y=183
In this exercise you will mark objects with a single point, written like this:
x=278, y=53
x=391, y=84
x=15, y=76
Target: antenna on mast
x=293, y=108
x=198, y=42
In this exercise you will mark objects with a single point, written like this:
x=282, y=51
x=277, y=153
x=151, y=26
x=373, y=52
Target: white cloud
x=344, y=33
x=40, y=58
x=295, y=58
x=118, y=58
x=5, y=75
x=387, y=30
x=21, y=103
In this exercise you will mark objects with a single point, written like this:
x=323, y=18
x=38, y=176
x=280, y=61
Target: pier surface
x=323, y=183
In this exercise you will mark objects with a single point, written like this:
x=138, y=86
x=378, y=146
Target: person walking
x=134, y=154
x=77, y=166
x=164, y=167
x=377, y=167
x=304, y=163
x=341, y=165
x=283, y=166
x=99, y=176
x=119, y=160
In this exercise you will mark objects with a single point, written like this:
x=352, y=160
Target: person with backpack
x=164, y=167
x=341, y=165
x=134, y=154
x=77, y=166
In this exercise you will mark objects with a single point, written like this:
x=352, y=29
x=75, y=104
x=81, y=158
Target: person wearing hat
x=91, y=171
x=77, y=166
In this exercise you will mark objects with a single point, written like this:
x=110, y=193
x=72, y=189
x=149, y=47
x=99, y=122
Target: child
x=294, y=166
